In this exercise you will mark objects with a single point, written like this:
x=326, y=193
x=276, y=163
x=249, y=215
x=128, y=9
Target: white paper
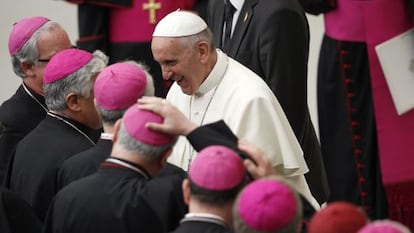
x=396, y=57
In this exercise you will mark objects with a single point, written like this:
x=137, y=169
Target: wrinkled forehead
x=163, y=43
x=53, y=41
x=168, y=47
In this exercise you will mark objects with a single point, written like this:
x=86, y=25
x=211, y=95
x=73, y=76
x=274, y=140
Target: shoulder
x=76, y=167
x=15, y=107
x=271, y=6
x=171, y=169
x=80, y=188
x=239, y=78
x=20, y=112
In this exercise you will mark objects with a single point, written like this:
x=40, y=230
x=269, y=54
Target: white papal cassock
x=242, y=99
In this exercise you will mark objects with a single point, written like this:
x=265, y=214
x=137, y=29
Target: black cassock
x=201, y=226
x=19, y=115
x=84, y=163
x=116, y=199
x=170, y=208
x=16, y=216
x=38, y=157
x=347, y=128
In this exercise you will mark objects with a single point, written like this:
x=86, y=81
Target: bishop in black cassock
x=122, y=196
x=116, y=88
x=215, y=177
x=22, y=112
x=63, y=132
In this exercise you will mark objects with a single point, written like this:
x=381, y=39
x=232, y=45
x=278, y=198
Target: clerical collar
x=130, y=165
x=215, y=75
x=204, y=217
x=79, y=127
x=39, y=99
x=107, y=136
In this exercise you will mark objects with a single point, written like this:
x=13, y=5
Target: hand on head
x=175, y=122
x=261, y=167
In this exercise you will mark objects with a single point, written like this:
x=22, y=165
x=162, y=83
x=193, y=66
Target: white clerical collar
x=204, y=217
x=107, y=136
x=215, y=75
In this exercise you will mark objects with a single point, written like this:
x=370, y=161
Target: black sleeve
x=316, y=7
x=17, y=214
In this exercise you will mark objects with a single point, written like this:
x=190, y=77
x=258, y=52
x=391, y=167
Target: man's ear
x=186, y=191
x=116, y=130
x=164, y=157
x=204, y=51
x=28, y=69
x=72, y=101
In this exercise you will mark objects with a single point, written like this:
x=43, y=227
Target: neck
x=30, y=84
x=63, y=113
x=223, y=211
x=212, y=62
x=119, y=152
x=108, y=128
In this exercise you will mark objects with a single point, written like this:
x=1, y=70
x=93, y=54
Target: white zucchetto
x=179, y=23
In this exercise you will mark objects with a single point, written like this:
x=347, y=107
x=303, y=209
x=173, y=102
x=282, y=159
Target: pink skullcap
x=267, y=205
x=217, y=168
x=118, y=86
x=134, y=121
x=384, y=226
x=338, y=217
x=64, y=63
x=22, y=31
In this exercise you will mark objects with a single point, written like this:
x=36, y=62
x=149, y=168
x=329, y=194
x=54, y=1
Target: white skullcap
x=179, y=23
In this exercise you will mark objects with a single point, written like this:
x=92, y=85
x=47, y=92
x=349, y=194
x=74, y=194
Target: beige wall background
x=66, y=15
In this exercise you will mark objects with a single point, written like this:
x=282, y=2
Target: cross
x=152, y=6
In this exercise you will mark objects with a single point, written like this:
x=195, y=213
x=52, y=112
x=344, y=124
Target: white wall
x=66, y=15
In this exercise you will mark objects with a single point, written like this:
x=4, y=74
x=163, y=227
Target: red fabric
x=132, y=24
x=401, y=202
x=384, y=19
x=112, y=4
x=340, y=24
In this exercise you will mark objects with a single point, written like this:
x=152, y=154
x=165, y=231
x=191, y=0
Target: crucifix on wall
x=152, y=7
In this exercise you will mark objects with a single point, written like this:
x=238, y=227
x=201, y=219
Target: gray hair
x=80, y=82
x=29, y=53
x=292, y=227
x=205, y=35
x=150, y=152
x=110, y=116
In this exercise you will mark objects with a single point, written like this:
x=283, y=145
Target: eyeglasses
x=43, y=60
x=48, y=59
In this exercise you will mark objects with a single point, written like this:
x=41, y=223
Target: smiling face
x=180, y=62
